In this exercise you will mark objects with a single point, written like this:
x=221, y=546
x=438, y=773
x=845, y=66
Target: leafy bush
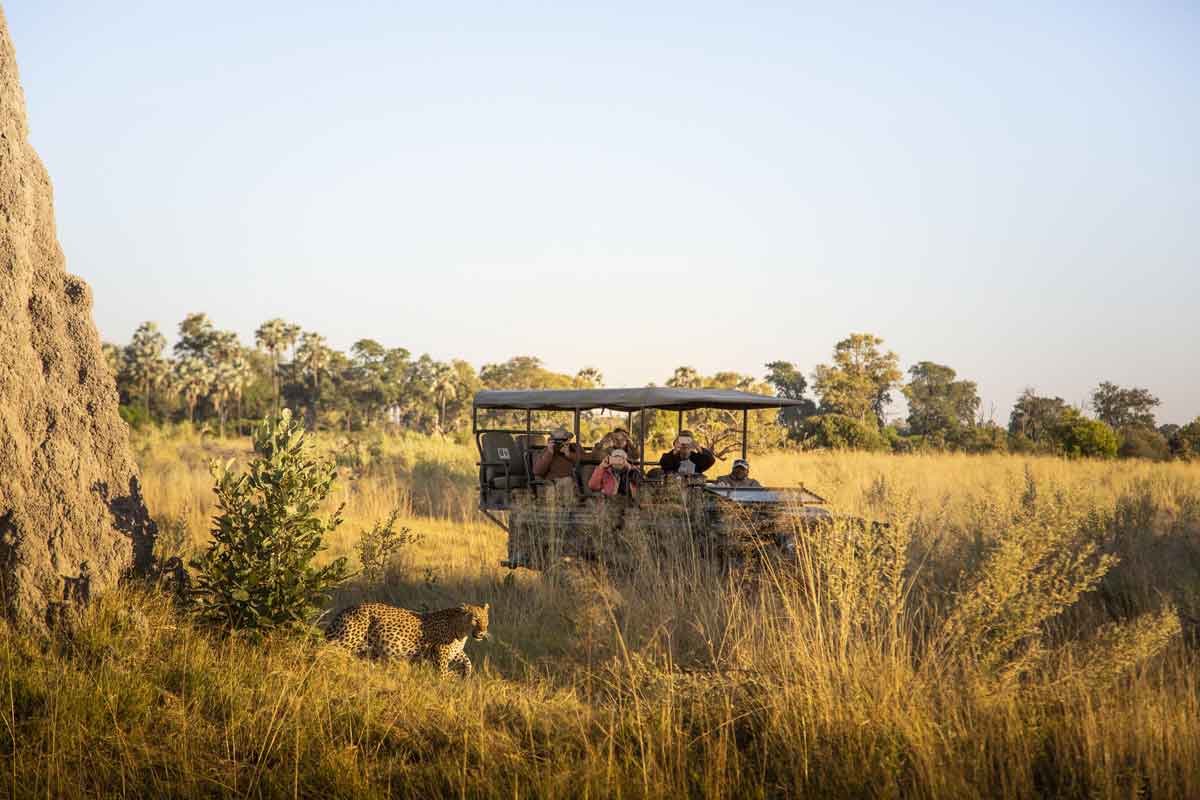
x=379, y=547
x=1083, y=437
x=839, y=432
x=257, y=573
x=1185, y=443
x=986, y=438
x=1144, y=443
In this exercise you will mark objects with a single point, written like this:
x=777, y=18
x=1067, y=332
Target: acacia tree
x=1124, y=408
x=369, y=386
x=1036, y=418
x=589, y=378
x=720, y=430
x=685, y=378
x=937, y=402
x=860, y=380
x=789, y=382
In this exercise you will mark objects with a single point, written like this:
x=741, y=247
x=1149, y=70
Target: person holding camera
x=616, y=477
x=559, y=458
x=687, y=449
x=616, y=439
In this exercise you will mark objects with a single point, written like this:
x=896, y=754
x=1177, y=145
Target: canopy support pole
x=528, y=425
x=745, y=430
x=577, y=426
x=679, y=426
x=641, y=435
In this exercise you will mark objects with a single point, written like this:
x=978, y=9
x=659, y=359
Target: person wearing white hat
x=739, y=476
x=616, y=477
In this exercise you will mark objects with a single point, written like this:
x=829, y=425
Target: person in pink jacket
x=616, y=477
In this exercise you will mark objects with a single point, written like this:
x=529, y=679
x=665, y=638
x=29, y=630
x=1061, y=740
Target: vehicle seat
x=504, y=461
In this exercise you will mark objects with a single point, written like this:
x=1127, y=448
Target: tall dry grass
x=1021, y=629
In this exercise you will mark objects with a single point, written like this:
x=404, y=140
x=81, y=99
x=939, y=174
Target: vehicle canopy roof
x=627, y=399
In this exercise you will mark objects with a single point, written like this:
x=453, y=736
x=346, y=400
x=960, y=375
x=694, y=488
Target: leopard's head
x=475, y=620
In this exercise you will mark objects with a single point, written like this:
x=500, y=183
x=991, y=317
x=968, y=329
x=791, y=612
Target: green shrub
x=1144, y=443
x=379, y=547
x=1087, y=438
x=257, y=573
x=1185, y=443
x=985, y=438
x=839, y=432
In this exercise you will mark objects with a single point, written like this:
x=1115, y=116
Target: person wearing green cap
x=739, y=476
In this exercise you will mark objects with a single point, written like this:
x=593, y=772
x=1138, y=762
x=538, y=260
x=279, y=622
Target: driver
x=686, y=448
x=739, y=476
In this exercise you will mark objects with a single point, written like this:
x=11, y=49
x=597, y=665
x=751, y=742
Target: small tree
x=1088, y=438
x=379, y=547
x=257, y=573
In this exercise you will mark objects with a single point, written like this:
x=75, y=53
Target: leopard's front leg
x=462, y=660
x=444, y=657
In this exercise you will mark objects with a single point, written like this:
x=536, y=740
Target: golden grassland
x=1025, y=627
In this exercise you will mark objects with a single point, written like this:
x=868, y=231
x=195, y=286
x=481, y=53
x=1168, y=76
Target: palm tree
x=275, y=336
x=192, y=378
x=144, y=361
x=242, y=372
x=223, y=353
x=223, y=379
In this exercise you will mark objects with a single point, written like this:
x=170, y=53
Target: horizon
x=637, y=191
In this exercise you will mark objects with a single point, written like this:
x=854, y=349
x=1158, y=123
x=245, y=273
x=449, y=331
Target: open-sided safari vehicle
x=670, y=512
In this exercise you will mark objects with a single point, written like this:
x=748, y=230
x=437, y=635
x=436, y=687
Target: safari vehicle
x=669, y=512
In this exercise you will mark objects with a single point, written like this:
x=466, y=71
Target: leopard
x=386, y=633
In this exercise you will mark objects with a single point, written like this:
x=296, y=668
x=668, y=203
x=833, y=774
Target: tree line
x=213, y=379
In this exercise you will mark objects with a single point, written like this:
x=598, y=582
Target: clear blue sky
x=1012, y=190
